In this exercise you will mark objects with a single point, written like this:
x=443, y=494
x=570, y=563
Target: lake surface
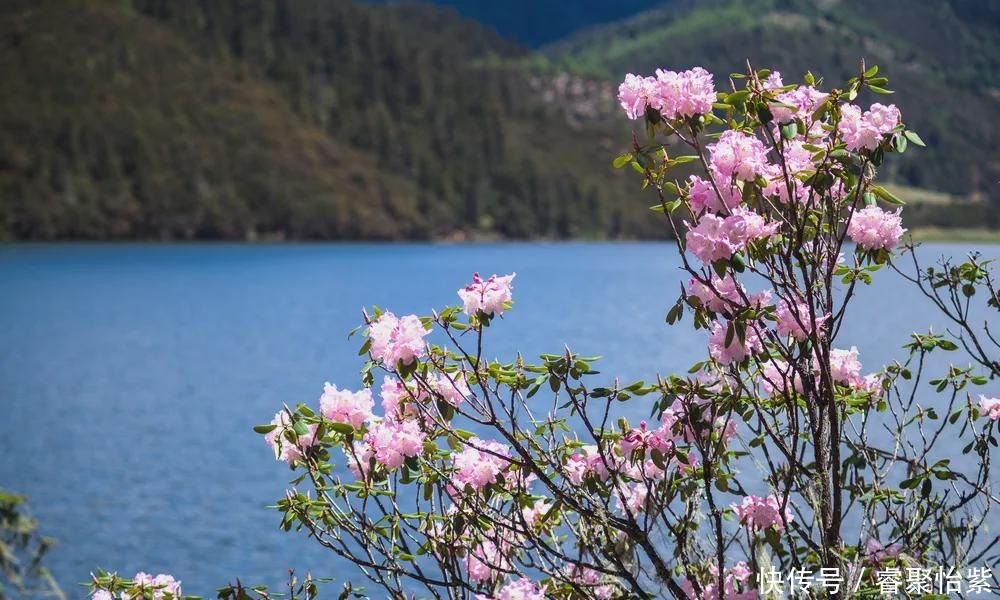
x=131, y=375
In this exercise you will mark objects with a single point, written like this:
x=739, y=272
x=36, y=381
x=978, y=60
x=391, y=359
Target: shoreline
x=920, y=234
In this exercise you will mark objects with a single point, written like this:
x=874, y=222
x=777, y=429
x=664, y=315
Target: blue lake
x=131, y=375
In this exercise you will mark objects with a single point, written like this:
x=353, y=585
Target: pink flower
x=397, y=340
x=395, y=441
x=777, y=375
x=639, y=438
x=102, y=595
x=486, y=562
x=591, y=579
x=397, y=399
x=845, y=367
x=632, y=498
x=451, y=387
x=703, y=197
x=883, y=118
x=283, y=448
x=715, y=238
x=683, y=94
x=722, y=299
x=871, y=383
x=989, y=407
x=345, y=406
x=738, y=574
x=773, y=81
x=158, y=586
x=740, y=155
x=865, y=130
x=804, y=100
x=359, y=459
x=533, y=514
x=759, y=513
x=797, y=158
x=480, y=463
x=793, y=320
x=633, y=94
x=877, y=552
x=735, y=351
x=778, y=187
x=727, y=425
x=522, y=589
x=873, y=228
x=750, y=225
x=590, y=462
x=487, y=295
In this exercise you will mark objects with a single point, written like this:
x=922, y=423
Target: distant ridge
x=334, y=120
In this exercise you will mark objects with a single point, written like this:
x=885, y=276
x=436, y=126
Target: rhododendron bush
x=445, y=472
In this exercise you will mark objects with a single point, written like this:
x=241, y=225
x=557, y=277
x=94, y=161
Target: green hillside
x=942, y=58
x=305, y=119
x=329, y=119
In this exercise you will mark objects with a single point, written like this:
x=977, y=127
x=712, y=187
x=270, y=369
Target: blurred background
x=132, y=373
x=334, y=119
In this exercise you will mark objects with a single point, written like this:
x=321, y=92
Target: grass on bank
x=956, y=234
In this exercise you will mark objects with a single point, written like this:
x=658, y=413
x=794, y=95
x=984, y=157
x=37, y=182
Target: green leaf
x=720, y=267
x=622, y=160
x=948, y=345
x=887, y=196
x=737, y=98
x=344, y=428
x=879, y=90
x=899, y=142
x=914, y=138
x=789, y=130
x=265, y=428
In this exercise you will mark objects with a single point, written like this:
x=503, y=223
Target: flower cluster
x=674, y=95
x=779, y=378
x=591, y=580
x=845, y=366
x=736, y=350
x=758, y=513
x=487, y=296
x=801, y=102
x=480, y=463
x=703, y=197
x=715, y=238
x=397, y=340
x=452, y=388
x=392, y=442
x=719, y=295
x=521, y=589
x=487, y=561
x=737, y=578
x=284, y=448
x=875, y=229
x=160, y=587
x=989, y=407
x=345, y=406
x=738, y=155
x=865, y=130
x=878, y=552
x=794, y=320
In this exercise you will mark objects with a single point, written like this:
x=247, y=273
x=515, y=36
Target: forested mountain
x=942, y=58
x=330, y=119
x=538, y=22
x=304, y=119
